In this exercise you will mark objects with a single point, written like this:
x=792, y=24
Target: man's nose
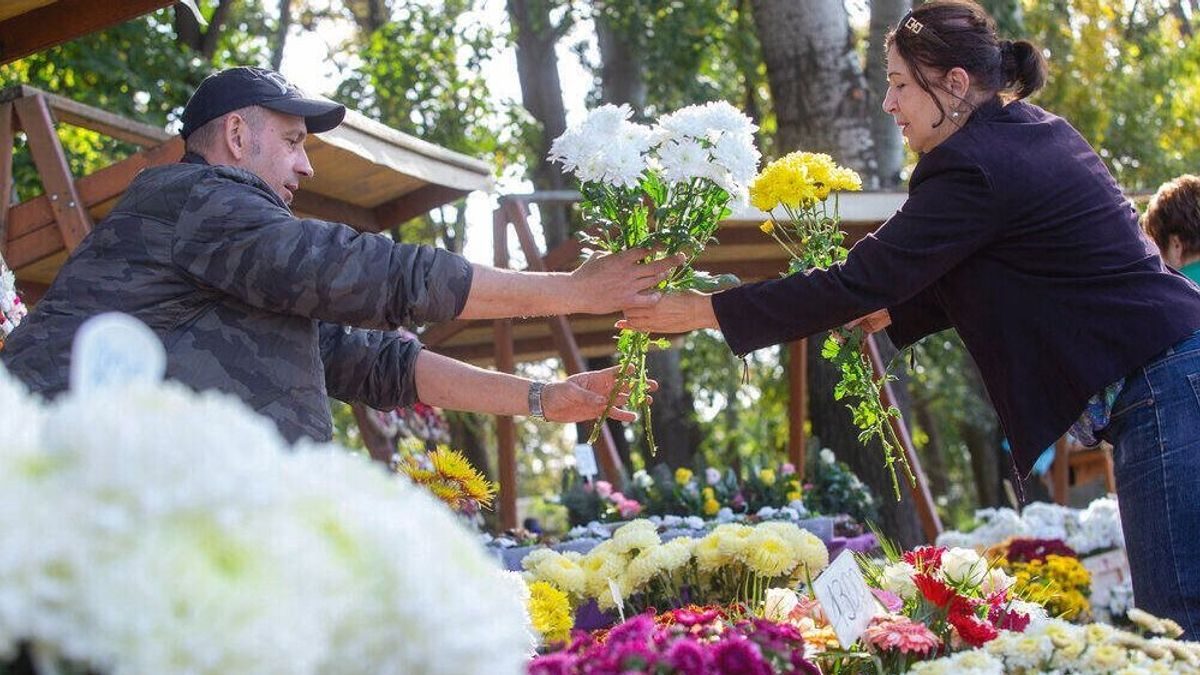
x=303, y=166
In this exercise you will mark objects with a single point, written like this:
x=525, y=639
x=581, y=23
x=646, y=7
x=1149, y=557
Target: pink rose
x=603, y=488
x=787, y=469
x=629, y=508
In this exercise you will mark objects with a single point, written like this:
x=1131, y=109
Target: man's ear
x=236, y=136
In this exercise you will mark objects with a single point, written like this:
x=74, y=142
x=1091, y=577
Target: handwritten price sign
x=846, y=599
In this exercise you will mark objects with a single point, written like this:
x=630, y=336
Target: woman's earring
x=954, y=114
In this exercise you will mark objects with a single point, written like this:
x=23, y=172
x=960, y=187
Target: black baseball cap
x=243, y=86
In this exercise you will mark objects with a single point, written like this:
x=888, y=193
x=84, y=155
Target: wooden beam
x=413, y=204
x=65, y=20
x=797, y=404
x=522, y=347
x=69, y=212
x=930, y=521
x=97, y=188
x=335, y=210
x=6, y=176
x=109, y=124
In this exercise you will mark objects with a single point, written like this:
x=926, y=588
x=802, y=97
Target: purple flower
x=559, y=663
x=739, y=656
x=802, y=666
x=636, y=629
x=687, y=657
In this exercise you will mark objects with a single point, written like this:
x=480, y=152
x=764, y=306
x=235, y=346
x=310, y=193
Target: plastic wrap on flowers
x=159, y=530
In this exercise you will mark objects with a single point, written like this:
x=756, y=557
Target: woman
x=1015, y=234
x=1172, y=219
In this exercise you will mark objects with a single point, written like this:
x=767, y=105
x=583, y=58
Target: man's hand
x=610, y=283
x=583, y=396
x=672, y=313
x=873, y=322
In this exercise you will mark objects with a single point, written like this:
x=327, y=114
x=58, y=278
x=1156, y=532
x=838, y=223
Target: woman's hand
x=672, y=313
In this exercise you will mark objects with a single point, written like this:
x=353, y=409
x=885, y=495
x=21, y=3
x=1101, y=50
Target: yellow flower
x=711, y=506
x=708, y=493
x=794, y=495
x=767, y=227
x=549, y=612
x=767, y=476
x=450, y=477
x=682, y=475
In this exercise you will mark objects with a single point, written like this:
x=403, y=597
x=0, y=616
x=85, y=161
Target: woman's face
x=913, y=108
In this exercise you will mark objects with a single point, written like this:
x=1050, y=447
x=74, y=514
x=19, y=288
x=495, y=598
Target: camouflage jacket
x=247, y=298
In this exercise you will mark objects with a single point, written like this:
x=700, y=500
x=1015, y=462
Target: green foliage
x=135, y=69
x=831, y=487
x=1128, y=77
x=741, y=423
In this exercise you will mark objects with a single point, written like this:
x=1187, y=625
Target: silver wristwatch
x=535, y=400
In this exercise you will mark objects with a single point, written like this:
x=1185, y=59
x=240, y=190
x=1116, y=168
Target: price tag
x=115, y=350
x=617, y=599
x=585, y=460
x=846, y=599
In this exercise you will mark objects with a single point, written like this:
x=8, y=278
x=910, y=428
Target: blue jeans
x=1155, y=433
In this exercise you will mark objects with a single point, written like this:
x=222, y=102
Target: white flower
x=779, y=603
x=767, y=512
x=693, y=523
x=898, y=578
x=605, y=148
x=642, y=479
x=712, y=476
x=963, y=565
x=181, y=535
x=827, y=456
x=725, y=515
x=996, y=580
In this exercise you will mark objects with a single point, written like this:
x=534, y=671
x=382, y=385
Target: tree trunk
x=816, y=83
x=885, y=135
x=621, y=78
x=281, y=33
x=931, y=456
x=204, y=42
x=535, y=36
x=673, y=417
x=832, y=424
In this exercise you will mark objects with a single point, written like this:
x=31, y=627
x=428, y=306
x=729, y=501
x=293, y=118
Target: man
x=281, y=311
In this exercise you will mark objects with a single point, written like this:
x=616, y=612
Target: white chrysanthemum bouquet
x=666, y=188
x=157, y=530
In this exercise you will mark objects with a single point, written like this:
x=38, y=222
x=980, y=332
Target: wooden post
x=1061, y=470
x=6, y=177
x=564, y=339
x=73, y=221
x=930, y=521
x=797, y=404
x=506, y=428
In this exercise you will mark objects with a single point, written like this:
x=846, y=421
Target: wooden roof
x=29, y=26
x=368, y=175
x=742, y=250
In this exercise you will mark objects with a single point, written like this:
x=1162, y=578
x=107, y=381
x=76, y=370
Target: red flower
x=934, y=590
x=973, y=630
x=1006, y=619
x=925, y=558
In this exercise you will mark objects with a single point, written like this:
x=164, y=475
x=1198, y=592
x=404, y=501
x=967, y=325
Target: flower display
x=795, y=191
x=1096, y=528
x=964, y=599
x=733, y=563
x=449, y=477
x=12, y=310
x=685, y=641
x=181, y=534
x=550, y=612
x=1054, y=645
x=1048, y=572
x=667, y=187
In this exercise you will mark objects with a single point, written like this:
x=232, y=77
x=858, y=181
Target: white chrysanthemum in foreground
x=160, y=530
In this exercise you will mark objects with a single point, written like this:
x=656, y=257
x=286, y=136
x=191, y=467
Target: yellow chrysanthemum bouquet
x=450, y=477
x=796, y=190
